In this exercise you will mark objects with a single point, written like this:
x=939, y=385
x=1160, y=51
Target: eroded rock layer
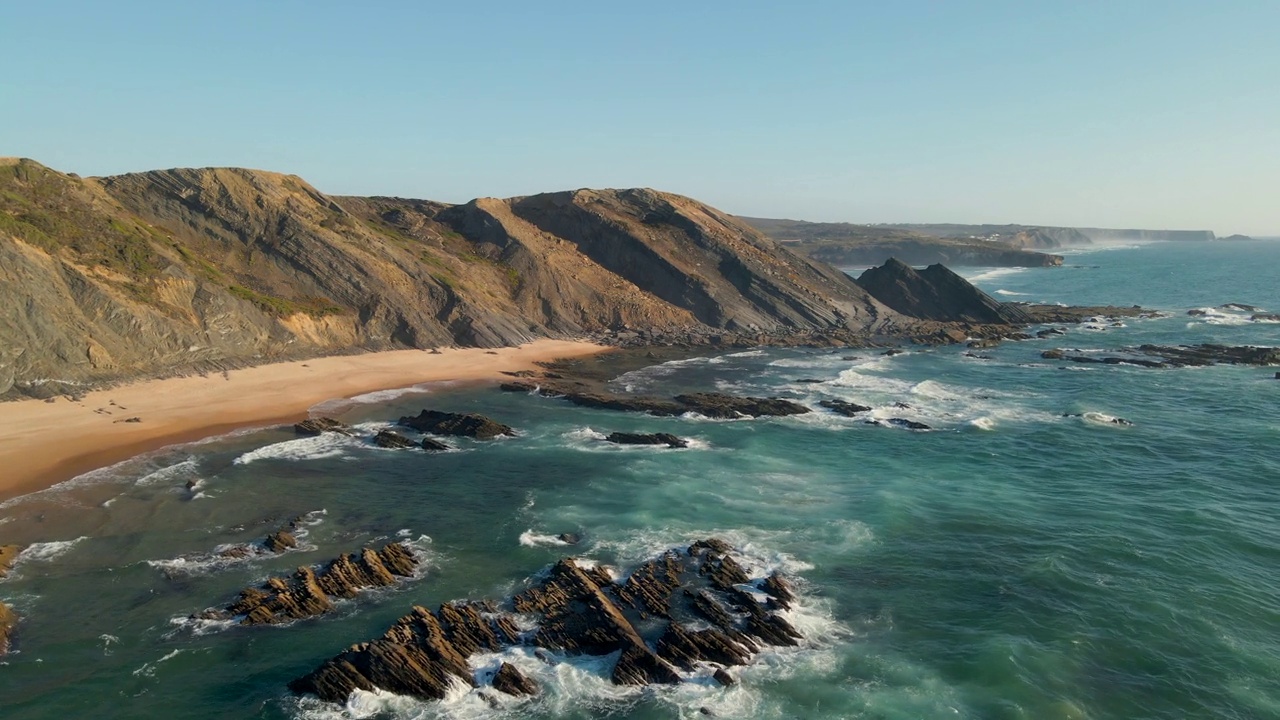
x=686, y=608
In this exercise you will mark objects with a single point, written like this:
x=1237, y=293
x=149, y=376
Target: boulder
x=392, y=440
x=511, y=681
x=279, y=541
x=320, y=425
x=1241, y=307
x=471, y=425
x=667, y=439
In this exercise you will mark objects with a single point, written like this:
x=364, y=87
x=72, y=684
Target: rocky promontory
x=686, y=608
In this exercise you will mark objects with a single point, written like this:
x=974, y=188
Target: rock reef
x=471, y=425
x=1174, y=356
x=709, y=404
x=683, y=609
x=309, y=593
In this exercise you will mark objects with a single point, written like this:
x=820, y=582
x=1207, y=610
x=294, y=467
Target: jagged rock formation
x=623, y=438
x=308, y=593
x=202, y=269
x=471, y=425
x=681, y=609
x=1167, y=356
x=937, y=293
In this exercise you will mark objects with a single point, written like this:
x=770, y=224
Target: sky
x=1123, y=113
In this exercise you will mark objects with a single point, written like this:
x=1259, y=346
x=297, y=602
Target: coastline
x=44, y=443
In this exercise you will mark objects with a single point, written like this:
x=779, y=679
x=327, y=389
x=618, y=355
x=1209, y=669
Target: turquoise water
x=1014, y=563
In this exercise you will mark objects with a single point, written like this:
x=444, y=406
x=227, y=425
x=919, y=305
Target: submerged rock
x=710, y=404
x=682, y=609
x=320, y=425
x=667, y=439
x=279, y=541
x=308, y=593
x=471, y=425
x=902, y=423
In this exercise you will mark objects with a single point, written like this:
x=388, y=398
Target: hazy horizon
x=1091, y=114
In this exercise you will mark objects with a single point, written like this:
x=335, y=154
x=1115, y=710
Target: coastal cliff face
x=936, y=293
x=185, y=270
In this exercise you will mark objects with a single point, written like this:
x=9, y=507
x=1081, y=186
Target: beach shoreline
x=45, y=443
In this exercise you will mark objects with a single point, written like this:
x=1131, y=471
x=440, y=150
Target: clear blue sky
x=1119, y=113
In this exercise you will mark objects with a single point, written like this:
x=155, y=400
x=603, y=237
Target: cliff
x=846, y=244
x=182, y=270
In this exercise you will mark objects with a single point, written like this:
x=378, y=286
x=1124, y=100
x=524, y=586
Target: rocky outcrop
x=471, y=425
x=842, y=407
x=321, y=425
x=8, y=622
x=623, y=438
x=393, y=440
x=719, y=405
x=8, y=556
x=713, y=405
x=683, y=609
x=1166, y=356
x=936, y=293
x=309, y=593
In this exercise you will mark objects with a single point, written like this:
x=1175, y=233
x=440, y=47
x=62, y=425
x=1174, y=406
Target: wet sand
x=44, y=443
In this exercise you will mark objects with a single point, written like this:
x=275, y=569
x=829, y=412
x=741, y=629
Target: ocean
x=1027, y=558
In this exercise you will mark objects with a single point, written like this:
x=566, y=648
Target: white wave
x=983, y=423
x=339, y=405
x=1099, y=418
x=747, y=354
x=186, y=470
x=529, y=538
x=1010, y=293
x=1219, y=316
x=48, y=551
x=327, y=445
x=986, y=274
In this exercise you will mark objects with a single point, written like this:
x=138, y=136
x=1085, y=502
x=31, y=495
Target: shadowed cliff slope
x=937, y=293
x=173, y=270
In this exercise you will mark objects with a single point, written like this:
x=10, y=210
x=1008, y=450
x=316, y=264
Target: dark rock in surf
x=667, y=439
x=392, y=440
x=569, y=538
x=433, y=445
x=723, y=677
x=320, y=425
x=842, y=407
x=902, y=423
x=308, y=593
x=279, y=541
x=719, y=405
x=511, y=681
x=1241, y=307
x=471, y=425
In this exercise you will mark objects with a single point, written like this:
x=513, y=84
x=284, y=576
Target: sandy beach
x=43, y=443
